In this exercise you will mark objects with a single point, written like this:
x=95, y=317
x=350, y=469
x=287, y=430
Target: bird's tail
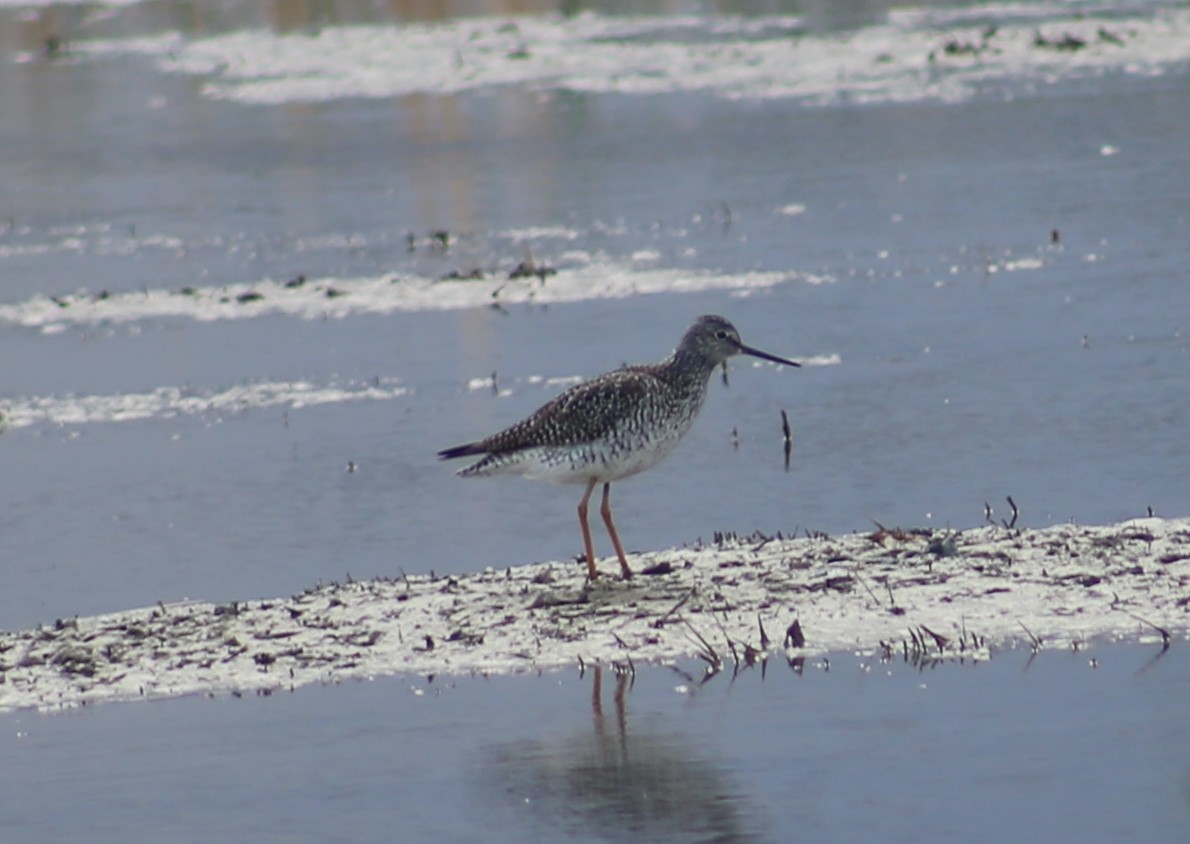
x=461, y=451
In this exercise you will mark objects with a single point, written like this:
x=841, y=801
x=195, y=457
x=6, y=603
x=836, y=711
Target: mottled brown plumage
x=612, y=426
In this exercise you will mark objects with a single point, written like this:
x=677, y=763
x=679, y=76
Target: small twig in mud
x=939, y=640
x=661, y=621
x=892, y=601
x=787, y=438
x=919, y=644
x=735, y=656
x=975, y=642
x=794, y=638
x=763, y=542
x=881, y=534
x=707, y=654
x=918, y=653
x=1165, y=637
x=1011, y=523
x=868, y=589
x=1036, y=642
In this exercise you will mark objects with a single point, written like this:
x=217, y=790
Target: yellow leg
x=588, y=546
x=606, y=511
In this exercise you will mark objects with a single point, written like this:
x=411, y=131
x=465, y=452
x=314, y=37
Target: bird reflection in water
x=627, y=782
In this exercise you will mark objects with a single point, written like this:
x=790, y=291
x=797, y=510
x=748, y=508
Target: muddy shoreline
x=738, y=599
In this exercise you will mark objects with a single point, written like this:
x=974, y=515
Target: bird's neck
x=689, y=372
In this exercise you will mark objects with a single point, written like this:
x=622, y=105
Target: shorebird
x=612, y=426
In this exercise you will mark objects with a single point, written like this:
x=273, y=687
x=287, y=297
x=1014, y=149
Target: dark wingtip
x=461, y=451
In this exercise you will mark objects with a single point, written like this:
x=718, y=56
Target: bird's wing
x=584, y=413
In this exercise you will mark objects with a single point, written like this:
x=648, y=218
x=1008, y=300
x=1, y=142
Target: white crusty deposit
x=936, y=591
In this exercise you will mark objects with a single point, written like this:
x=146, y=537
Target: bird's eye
x=720, y=334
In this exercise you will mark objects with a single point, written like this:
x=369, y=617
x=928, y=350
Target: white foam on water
x=528, y=233
x=914, y=55
x=342, y=297
x=168, y=402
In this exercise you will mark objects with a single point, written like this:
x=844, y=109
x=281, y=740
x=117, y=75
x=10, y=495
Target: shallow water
x=844, y=201
x=1087, y=746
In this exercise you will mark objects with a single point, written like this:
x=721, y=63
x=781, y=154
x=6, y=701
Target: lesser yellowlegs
x=612, y=426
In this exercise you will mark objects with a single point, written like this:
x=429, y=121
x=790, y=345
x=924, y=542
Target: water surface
x=1089, y=746
x=984, y=254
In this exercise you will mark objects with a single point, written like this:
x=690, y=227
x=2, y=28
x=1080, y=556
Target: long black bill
x=757, y=353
